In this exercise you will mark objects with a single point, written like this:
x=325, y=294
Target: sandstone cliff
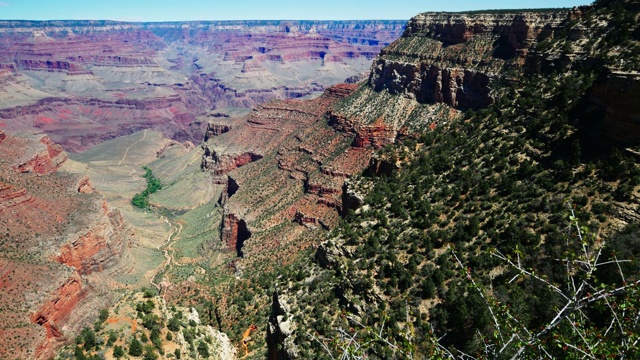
x=452, y=58
x=47, y=158
x=60, y=238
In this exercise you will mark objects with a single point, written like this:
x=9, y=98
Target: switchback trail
x=167, y=251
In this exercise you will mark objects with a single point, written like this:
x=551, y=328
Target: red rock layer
x=43, y=221
x=97, y=248
x=299, y=179
x=214, y=129
x=84, y=186
x=55, y=312
x=12, y=197
x=45, y=161
x=234, y=233
x=223, y=164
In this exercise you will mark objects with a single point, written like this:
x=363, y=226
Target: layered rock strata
x=57, y=239
x=78, y=80
x=298, y=163
x=452, y=57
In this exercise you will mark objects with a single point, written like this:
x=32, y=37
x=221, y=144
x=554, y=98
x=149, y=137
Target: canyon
x=260, y=132
x=83, y=82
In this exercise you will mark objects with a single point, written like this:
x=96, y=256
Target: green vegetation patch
x=141, y=200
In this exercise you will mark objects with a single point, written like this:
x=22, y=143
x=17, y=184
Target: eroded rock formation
x=279, y=331
x=234, y=233
x=57, y=237
x=452, y=58
x=55, y=312
x=47, y=158
x=92, y=75
x=98, y=247
x=221, y=164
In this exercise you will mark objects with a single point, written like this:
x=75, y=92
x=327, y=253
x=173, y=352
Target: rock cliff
x=60, y=237
x=452, y=58
x=98, y=247
x=279, y=330
x=46, y=160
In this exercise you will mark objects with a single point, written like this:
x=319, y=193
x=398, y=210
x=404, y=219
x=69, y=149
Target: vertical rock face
x=56, y=312
x=620, y=94
x=220, y=164
x=377, y=135
x=457, y=87
x=452, y=58
x=279, y=330
x=97, y=248
x=234, y=233
x=216, y=130
x=518, y=31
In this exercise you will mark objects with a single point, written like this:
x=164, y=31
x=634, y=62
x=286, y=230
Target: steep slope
x=458, y=240
x=58, y=242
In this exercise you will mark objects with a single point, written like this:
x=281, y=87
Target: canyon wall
x=59, y=238
x=453, y=57
x=84, y=82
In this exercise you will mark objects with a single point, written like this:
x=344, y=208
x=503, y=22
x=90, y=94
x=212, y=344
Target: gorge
x=331, y=181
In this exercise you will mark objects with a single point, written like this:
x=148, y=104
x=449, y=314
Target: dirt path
x=167, y=251
x=144, y=135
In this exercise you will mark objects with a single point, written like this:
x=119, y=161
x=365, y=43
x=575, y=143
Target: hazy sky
x=169, y=10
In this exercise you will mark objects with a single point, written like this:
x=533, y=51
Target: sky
x=184, y=10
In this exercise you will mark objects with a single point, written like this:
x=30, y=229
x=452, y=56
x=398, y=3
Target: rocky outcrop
x=456, y=87
x=12, y=197
x=351, y=199
x=309, y=221
x=98, y=247
x=520, y=30
x=452, y=58
x=186, y=146
x=377, y=135
x=52, y=66
x=341, y=91
x=280, y=329
x=55, y=312
x=122, y=61
x=220, y=164
x=234, y=232
x=84, y=186
x=214, y=129
x=220, y=346
x=47, y=159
